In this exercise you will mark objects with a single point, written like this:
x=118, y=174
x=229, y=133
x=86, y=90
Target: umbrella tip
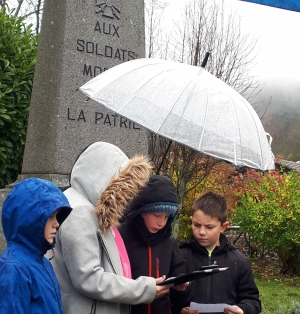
x=205, y=60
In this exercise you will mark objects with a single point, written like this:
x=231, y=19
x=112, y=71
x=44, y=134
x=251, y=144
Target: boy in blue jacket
x=31, y=215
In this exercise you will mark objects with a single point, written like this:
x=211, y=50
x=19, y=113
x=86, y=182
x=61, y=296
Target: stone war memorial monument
x=79, y=40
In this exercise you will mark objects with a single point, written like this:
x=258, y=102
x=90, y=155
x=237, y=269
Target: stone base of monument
x=61, y=180
x=3, y=193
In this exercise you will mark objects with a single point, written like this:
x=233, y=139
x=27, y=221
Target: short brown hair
x=211, y=204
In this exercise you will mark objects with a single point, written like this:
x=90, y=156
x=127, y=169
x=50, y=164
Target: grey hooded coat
x=87, y=263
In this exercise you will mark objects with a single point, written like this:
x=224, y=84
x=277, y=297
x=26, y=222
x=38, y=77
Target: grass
x=275, y=289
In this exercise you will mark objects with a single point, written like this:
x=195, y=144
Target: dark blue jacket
x=27, y=280
x=235, y=286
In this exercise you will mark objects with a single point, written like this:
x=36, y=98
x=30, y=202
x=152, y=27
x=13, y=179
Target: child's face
x=155, y=221
x=50, y=228
x=206, y=229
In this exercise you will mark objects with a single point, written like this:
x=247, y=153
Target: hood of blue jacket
x=26, y=210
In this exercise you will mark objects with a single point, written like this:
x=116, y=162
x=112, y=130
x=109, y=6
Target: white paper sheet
x=208, y=308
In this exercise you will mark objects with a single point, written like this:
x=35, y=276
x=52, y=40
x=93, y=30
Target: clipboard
x=204, y=271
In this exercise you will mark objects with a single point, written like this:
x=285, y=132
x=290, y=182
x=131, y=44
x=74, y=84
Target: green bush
x=269, y=210
x=18, y=48
x=293, y=309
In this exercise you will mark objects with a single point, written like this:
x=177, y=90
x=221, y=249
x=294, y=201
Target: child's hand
x=233, y=310
x=181, y=287
x=186, y=310
x=161, y=290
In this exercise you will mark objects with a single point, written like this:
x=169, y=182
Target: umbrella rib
x=148, y=82
x=261, y=156
x=236, y=116
x=124, y=75
x=178, y=99
x=141, y=88
x=257, y=133
x=202, y=133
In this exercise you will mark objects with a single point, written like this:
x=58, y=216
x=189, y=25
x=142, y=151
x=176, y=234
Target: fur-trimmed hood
x=105, y=177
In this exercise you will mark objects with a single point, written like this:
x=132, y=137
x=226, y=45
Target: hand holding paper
x=187, y=310
x=234, y=309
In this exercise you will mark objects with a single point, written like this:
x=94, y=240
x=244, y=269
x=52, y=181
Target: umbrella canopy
x=188, y=105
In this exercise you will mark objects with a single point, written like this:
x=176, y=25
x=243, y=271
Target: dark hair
x=211, y=204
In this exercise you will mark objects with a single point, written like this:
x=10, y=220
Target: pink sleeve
x=123, y=254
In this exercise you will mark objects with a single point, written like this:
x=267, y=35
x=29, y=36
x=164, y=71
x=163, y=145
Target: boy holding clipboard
x=207, y=246
x=151, y=248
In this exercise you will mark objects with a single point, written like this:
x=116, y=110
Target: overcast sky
x=277, y=32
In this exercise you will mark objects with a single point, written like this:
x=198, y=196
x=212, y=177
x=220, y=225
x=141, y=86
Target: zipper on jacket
x=149, y=261
x=209, y=277
x=94, y=307
x=105, y=249
x=235, y=269
x=157, y=273
x=51, y=279
x=157, y=267
x=149, y=273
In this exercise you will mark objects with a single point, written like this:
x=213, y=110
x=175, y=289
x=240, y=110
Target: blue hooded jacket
x=27, y=280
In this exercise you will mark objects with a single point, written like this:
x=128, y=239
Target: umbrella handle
x=164, y=157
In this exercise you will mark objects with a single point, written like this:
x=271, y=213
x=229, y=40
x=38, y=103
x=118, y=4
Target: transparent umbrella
x=188, y=105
